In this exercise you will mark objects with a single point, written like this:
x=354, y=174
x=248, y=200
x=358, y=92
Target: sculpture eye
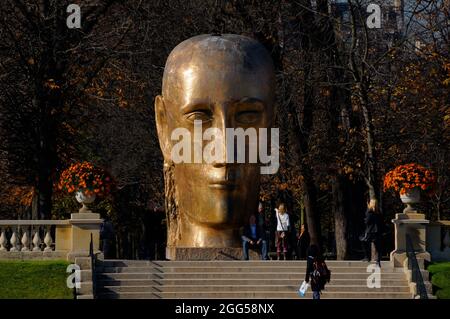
x=248, y=117
x=204, y=116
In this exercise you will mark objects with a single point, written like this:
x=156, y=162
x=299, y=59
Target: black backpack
x=320, y=274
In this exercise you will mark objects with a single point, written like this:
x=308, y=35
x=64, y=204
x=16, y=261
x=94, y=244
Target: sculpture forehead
x=226, y=58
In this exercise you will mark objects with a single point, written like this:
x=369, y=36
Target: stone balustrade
x=49, y=239
x=29, y=235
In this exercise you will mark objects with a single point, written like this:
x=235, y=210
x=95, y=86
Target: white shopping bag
x=303, y=288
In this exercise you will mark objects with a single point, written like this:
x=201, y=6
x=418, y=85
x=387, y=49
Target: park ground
x=440, y=279
x=34, y=280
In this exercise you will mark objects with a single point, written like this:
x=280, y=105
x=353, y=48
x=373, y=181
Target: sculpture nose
x=227, y=173
x=222, y=122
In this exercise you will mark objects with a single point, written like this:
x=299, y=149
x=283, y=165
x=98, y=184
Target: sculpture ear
x=162, y=127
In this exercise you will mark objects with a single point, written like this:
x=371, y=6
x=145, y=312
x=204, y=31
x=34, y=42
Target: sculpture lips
x=224, y=184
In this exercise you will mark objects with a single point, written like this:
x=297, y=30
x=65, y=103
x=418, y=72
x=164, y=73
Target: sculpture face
x=226, y=82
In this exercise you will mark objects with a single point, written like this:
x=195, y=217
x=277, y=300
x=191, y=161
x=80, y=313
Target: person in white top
x=282, y=230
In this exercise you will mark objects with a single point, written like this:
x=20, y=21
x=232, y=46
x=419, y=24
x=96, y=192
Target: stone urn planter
x=84, y=199
x=411, y=197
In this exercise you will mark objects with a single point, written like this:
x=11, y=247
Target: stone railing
x=438, y=240
x=29, y=235
x=49, y=239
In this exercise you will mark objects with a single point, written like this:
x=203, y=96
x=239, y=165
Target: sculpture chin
x=221, y=210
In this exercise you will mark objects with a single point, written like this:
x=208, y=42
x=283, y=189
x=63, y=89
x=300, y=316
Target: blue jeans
x=246, y=245
x=316, y=294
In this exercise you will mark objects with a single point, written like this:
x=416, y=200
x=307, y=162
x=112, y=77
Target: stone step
x=137, y=279
x=253, y=294
x=232, y=281
x=238, y=288
x=231, y=269
x=248, y=263
x=239, y=275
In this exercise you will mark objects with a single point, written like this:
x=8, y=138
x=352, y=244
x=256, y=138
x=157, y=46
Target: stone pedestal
x=83, y=225
x=415, y=225
x=226, y=253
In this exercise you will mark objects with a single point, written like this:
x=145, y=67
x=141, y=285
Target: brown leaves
x=51, y=84
x=111, y=84
x=18, y=195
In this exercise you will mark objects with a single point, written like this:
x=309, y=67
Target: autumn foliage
x=86, y=177
x=409, y=176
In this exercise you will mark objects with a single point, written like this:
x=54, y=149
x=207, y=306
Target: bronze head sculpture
x=224, y=81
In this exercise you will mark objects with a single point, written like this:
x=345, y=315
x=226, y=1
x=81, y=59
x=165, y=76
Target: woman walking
x=374, y=230
x=316, y=271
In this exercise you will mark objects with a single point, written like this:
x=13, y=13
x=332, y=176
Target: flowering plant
x=85, y=177
x=409, y=176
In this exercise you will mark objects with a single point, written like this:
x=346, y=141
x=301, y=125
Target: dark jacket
x=261, y=220
x=309, y=269
x=247, y=234
x=107, y=231
x=315, y=286
x=302, y=244
x=374, y=224
x=303, y=240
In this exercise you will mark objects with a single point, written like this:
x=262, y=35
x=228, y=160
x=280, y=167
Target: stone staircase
x=135, y=279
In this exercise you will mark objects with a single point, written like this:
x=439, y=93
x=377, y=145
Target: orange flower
x=84, y=176
x=409, y=176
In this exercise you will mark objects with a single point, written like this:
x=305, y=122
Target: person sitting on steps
x=254, y=236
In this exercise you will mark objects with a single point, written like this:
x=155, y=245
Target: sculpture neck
x=198, y=235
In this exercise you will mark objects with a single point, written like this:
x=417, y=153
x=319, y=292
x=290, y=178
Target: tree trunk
x=35, y=206
x=340, y=218
x=371, y=178
x=312, y=217
x=45, y=191
x=362, y=81
x=47, y=161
